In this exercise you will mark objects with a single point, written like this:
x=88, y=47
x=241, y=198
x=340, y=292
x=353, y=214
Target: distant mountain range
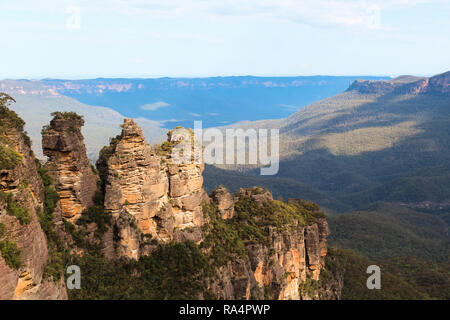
x=172, y=102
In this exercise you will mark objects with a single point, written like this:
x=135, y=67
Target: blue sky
x=154, y=38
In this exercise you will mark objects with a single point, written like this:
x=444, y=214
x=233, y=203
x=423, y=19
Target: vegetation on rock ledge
x=15, y=209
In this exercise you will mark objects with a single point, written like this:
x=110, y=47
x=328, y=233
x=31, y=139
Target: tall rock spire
x=68, y=164
x=149, y=196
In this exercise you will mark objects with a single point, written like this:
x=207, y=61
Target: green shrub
x=54, y=267
x=22, y=214
x=67, y=115
x=226, y=239
x=14, y=209
x=27, y=139
x=309, y=287
x=8, y=115
x=46, y=180
x=11, y=253
x=51, y=198
x=222, y=239
x=97, y=215
x=9, y=158
x=58, y=255
x=102, y=163
x=172, y=271
x=94, y=170
x=2, y=229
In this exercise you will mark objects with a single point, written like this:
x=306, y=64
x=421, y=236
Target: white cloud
x=312, y=12
x=171, y=120
x=154, y=106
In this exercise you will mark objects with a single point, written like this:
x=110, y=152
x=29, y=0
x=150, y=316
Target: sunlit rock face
x=24, y=186
x=279, y=269
x=68, y=164
x=149, y=195
x=225, y=203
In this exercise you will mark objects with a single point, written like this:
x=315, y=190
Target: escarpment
x=284, y=246
x=148, y=194
x=23, y=244
x=438, y=84
x=68, y=165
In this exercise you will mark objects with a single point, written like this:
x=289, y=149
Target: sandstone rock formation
x=149, y=195
x=225, y=203
x=281, y=269
x=68, y=164
x=155, y=199
x=152, y=198
x=21, y=196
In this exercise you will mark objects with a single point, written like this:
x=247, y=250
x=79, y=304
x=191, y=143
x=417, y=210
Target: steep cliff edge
x=282, y=247
x=404, y=84
x=23, y=244
x=68, y=165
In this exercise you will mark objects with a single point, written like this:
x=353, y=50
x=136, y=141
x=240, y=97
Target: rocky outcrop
x=269, y=249
x=149, y=195
x=283, y=268
x=154, y=198
x=23, y=244
x=68, y=164
x=440, y=83
x=225, y=202
x=404, y=85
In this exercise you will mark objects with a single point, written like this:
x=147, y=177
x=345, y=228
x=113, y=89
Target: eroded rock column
x=149, y=195
x=68, y=164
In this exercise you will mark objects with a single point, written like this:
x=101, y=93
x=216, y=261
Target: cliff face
x=405, y=85
x=283, y=267
x=23, y=244
x=68, y=164
x=148, y=195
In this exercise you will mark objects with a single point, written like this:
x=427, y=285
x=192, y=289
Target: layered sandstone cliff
x=283, y=266
x=68, y=165
x=148, y=194
x=23, y=244
x=439, y=84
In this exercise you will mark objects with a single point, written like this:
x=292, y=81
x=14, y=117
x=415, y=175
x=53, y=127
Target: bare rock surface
x=25, y=189
x=150, y=195
x=68, y=164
